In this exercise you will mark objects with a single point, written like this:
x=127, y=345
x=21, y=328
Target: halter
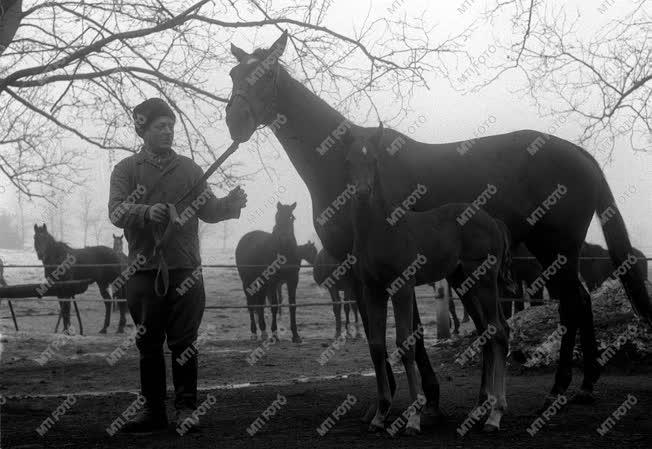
x=242, y=93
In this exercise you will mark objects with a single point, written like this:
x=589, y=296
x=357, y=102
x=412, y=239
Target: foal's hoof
x=296, y=339
x=583, y=397
x=103, y=330
x=490, y=428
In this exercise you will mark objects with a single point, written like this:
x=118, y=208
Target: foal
x=423, y=247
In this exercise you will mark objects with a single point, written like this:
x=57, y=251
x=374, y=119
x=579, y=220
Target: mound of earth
x=536, y=333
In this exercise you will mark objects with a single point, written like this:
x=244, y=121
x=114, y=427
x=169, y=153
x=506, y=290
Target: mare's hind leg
x=564, y=285
x=405, y=343
x=337, y=310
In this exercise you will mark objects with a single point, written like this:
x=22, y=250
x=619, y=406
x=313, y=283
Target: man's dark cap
x=148, y=111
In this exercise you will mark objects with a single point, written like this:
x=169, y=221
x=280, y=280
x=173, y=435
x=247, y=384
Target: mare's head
x=284, y=221
x=43, y=241
x=362, y=160
x=117, y=243
x=309, y=252
x=255, y=89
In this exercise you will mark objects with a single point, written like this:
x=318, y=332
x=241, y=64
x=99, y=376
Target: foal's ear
x=239, y=53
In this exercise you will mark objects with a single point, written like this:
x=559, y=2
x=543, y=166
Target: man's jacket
x=135, y=186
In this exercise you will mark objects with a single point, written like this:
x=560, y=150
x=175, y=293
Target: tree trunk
x=10, y=16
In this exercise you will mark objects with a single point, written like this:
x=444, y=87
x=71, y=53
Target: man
x=144, y=188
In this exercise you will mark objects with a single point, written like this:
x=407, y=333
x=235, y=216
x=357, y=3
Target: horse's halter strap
x=242, y=93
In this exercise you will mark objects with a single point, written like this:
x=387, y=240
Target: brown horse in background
x=261, y=258
x=59, y=256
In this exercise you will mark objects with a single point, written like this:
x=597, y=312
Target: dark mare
x=261, y=258
x=595, y=272
x=526, y=167
x=65, y=259
x=329, y=274
x=307, y=252
x=394, y=256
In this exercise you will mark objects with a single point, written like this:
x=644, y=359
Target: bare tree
x=604, y=81
x=85, y=205
x=77, y=78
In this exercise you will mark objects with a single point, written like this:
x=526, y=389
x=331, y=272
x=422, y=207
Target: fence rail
x=254, y=265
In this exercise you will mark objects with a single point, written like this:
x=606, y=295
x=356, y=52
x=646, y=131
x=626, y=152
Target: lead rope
x=161, y=236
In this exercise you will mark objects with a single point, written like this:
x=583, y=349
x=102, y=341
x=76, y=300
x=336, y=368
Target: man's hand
x=158, y=213
x=237, y=198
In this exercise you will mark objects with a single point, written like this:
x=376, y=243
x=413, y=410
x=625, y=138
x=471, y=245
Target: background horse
x=261, y=257
x=595, y=272
x=67, y=260
x=121, y=293
x=428, y=246
x=324, y=274
x=307, y=252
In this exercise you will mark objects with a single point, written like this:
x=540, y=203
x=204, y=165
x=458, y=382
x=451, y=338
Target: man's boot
x=152, y=383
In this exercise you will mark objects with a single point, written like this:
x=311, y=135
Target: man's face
x=159, y=135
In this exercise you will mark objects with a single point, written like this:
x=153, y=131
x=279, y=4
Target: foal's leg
x=362, y=307
x=337, y=310
x=376, y=304
x=405, y=342
x=497, y=347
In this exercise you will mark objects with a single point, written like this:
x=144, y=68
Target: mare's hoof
x=103, y=330
x=490, y=428
x=583, y=397
x=296, y=339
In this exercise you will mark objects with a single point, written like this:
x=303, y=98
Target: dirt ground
x=30, y=392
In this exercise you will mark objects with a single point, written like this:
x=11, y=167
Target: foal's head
x=117, y=243
x=362, y=159
x=43, y=241
x=253, y=98
x=284, y=220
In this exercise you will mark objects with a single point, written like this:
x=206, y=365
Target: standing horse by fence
x=398, y=251
x=61, y=262
x=600, y=268
x=326, y=273
x=523, y=165
x=260, y=258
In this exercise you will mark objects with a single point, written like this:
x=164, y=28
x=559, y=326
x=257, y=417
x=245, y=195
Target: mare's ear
x=278, y=47
x=293, y=206
x=239, y=53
